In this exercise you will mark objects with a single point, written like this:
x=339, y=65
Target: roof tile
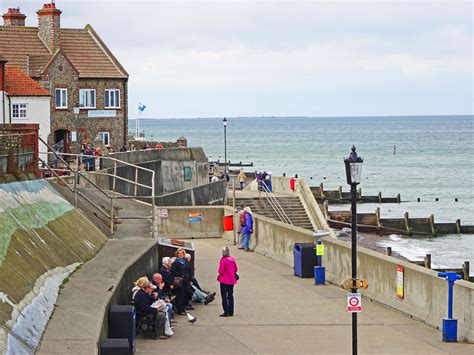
x=18, y=83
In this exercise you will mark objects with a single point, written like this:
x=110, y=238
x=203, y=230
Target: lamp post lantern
x=353, y=175
x=224, y=122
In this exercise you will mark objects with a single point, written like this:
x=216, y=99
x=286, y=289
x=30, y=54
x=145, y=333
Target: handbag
x=178, y=281
x=237, y=277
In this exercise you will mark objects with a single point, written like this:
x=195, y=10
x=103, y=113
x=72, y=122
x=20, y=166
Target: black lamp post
x=224, y=121
x=353, y=175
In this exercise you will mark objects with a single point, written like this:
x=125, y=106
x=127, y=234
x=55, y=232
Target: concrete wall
x=169, y=166
x=425, y=293
x=177, y=224
x=146, y=264
x=209, y=194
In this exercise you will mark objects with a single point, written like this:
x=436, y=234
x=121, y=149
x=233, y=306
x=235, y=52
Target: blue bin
x=304, y=259
x=319, y=275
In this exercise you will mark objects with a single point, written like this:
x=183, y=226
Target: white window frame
x=62, y=97
x=115, y=93
x=85, y=98
x=102, y=136
x=21, y=110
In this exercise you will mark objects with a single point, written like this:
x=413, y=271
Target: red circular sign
x=354, y=301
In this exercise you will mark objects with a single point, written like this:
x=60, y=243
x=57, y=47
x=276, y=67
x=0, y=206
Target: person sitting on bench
x=199, y=295
x=143, y=300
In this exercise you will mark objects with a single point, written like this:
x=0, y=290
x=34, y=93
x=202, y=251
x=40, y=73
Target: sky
x=284, y=58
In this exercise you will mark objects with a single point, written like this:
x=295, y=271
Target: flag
x=141, y=107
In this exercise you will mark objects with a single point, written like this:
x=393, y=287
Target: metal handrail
x=77, y=173
x=275, y=204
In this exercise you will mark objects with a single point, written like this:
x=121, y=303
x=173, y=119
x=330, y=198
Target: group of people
x=244, y=226
x=264, y=181
x=91, y=154
x=170, y=291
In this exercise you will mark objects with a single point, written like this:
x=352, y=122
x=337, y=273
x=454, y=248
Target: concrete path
x=278, y=313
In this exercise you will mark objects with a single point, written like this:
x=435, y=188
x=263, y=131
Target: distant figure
x=214, y=178
x=394, y=149
x=242, y=178
x=227, y=279
x=240, y=237
x=246, y=221
x=123, y=148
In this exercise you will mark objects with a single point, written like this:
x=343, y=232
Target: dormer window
x=87, y=98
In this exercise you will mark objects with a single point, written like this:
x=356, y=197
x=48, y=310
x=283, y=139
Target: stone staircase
x=123, y=208
x=291, y=205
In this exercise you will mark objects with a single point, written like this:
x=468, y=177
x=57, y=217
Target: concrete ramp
x=42, y=240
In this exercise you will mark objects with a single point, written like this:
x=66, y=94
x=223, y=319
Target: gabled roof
x=18, y=83
x=22, y=47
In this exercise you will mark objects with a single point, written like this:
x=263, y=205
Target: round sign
x=354, y=301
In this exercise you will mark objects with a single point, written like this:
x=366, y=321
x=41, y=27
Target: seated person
x=137, y=285
x=165, y=273
x=199, y=295
x=143, y=300
x=157, y=280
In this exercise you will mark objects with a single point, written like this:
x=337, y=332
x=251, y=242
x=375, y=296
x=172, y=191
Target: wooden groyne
x=373, y=223
x=426, y=262
x=340, y=196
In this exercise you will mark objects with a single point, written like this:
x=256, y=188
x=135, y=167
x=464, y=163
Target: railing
x=273, y=201
x=77, y=174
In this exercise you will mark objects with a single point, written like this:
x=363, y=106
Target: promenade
x=278, y=313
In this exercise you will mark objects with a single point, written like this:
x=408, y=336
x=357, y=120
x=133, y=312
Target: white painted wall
x=37, y=111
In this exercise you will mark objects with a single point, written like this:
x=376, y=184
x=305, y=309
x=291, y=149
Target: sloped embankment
x=42, y=239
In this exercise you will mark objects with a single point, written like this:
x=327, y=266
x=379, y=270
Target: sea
x=430, y=158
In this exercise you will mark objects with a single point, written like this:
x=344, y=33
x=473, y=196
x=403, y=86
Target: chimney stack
x=14, y=17
x=49, y=26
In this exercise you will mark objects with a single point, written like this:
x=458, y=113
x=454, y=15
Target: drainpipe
x=9, y=108
x=3, y=61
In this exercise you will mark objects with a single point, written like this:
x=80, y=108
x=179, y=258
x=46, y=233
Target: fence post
x=465, y=270
x=136, y=180
x=458, y=226
x=380, y=197
x=428, y=261
x=111, y=216
x=432, y=225
x=377, y=215
x=115, y=173
x=407, y=222
x=389, y=251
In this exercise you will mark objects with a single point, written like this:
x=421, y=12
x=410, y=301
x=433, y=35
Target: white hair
x=165, y=261
x=188, y=256
x=225, y=251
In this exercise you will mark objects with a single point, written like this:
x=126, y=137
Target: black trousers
x=181, y=298
x=227, y=295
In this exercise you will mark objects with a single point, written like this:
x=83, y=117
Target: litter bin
x=304, y=259
x=228, y=222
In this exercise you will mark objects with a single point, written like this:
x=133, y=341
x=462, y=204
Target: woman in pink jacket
x=227, y=278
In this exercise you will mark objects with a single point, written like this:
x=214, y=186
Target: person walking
x=246, y=221
x=242, y=178
x=238, y=226
x=227, y=279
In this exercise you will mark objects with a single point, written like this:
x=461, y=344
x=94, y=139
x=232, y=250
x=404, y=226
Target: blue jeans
x=169, y=309
x=246, y=240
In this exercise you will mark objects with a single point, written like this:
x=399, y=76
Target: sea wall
x=425, y=293
x=189, y=222
x=42, y=238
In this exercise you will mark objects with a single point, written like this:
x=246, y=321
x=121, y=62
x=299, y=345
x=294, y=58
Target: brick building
x=86, y=83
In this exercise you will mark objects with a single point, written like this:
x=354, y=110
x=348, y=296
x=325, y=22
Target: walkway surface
x=278, y=313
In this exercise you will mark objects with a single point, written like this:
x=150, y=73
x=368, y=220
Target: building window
x=187, y=173
x=87, y=98
x=61, y=98
x=19, y=110
x=112, y=98
x=104, y=137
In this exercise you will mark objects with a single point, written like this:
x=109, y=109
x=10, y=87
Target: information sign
x=400, y=281
x=162, y=212
x=194, y=217
x=354, y=302
x=320, y=249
